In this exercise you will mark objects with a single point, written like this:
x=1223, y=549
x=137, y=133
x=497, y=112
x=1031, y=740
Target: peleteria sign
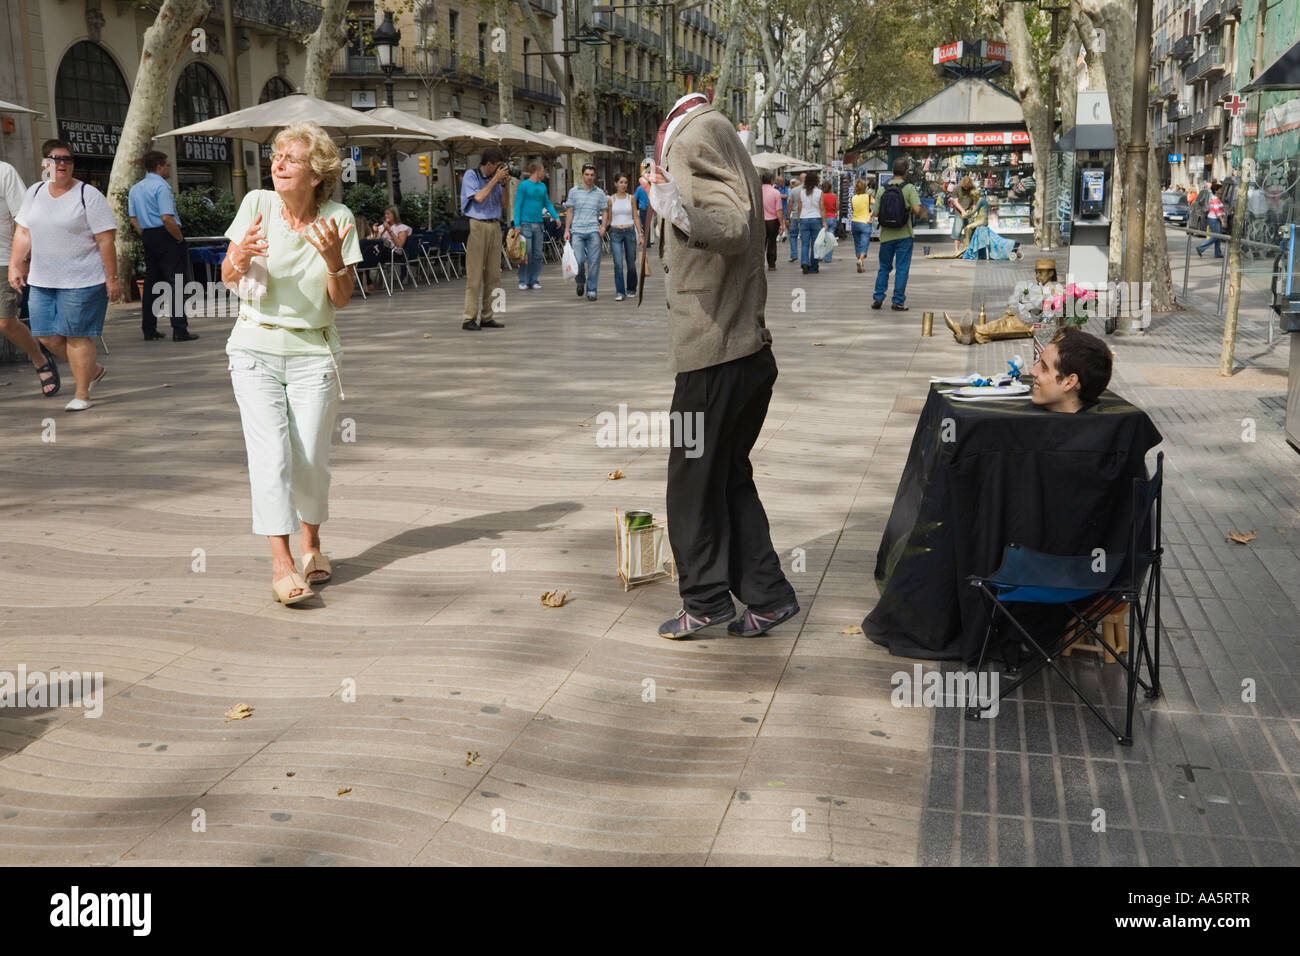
x=962, y=139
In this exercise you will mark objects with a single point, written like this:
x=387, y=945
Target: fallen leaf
x=852, y=629
x=344, y=791
x=427, y=335
x=166, y=385
x=239, y=712
x=584, y=424
x=1241, y=537
x=614, y=475
x=554, y=598
x=818, y=344
x=5, y=384
x=471, y=758
x=290, y=773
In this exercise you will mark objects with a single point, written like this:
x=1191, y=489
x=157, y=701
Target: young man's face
x=1054, y=395
x=588, y=178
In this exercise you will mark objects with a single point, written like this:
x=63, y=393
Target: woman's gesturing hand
x=328, y=241
x=253, y=244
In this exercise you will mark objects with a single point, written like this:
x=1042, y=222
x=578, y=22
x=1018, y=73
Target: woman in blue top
x=531, y=203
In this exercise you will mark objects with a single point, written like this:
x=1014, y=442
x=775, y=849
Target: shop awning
x=970, y=101
x=1282, y=74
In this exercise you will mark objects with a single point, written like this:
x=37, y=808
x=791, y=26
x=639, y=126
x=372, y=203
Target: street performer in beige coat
x=707, y=193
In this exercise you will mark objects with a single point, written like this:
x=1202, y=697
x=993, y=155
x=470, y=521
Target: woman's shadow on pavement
x=435, y=537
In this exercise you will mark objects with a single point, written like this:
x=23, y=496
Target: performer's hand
x=328, y=241
x=657, y=174
x=252, y=245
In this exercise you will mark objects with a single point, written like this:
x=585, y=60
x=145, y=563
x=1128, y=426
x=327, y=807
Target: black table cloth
x=980, y=476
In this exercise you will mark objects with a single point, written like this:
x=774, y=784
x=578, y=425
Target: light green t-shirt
x=297, y=302
x=913, y=199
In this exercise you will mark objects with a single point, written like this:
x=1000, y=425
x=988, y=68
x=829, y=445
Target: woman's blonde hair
x=859, y=187
x=322, y=154
x=966, y=184
x=397, y=214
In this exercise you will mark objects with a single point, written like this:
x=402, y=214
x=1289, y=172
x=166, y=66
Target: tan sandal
x=314, y=564
x=282, y=590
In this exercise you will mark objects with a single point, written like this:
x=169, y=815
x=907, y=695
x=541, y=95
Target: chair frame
x=1139, y=588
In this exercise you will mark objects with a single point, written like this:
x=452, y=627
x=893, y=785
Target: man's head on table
x=1072, y=371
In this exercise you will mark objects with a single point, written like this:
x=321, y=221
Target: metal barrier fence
x=1273, y=252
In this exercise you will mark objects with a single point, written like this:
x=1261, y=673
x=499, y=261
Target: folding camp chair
x=1091, y=587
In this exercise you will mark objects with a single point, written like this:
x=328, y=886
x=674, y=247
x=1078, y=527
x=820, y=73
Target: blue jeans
x=586, y=246
x=861, y=238
x=534, y=237
x=76, y=313
x=808, y=229
x=792, y=233
x=622, y=248
x=830, y=224
x=894, y=253
x=1213, y=225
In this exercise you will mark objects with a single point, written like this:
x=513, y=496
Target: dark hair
x=826, y=185
x=587, y=166
x=809, y=184
x=493, y=154
x=534, y=166
x=901, y=165
x=766, y=177
x=153, y=159
x=1216, y=188
x=1082, y=354
x=50, y=144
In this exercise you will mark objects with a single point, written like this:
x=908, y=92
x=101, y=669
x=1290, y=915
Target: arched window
x=90, y=86
x=199, y=96
x=277, y=87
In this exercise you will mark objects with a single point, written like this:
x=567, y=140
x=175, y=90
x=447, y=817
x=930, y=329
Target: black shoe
x=153, y=336
x=805, y=269
x=582, y=287
x=1199, y=252
x=685, y=624
x=470, y=326
x=898, y=308
x=877, y=303
x=183, y=335
x=490, y=324
x=753, y=623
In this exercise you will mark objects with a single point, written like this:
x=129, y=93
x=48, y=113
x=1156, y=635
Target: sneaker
x=753, y=623
x=470, y=326
x=877, y=303
x=685, y=624
x=523, y=287
x=535, y=285
x=619, y=298
x=859, y=265
x=591, y=297
x=898, y=308
x=582, y=287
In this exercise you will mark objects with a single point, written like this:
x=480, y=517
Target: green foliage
x=415, y=206
x=368, y=201
x=443, y=206
x=205, y=211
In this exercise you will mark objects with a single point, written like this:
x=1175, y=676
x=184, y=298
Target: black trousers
x=165, y=260
x=773, y=228
x=717, y=525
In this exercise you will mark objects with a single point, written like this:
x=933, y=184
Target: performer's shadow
x=434, y=537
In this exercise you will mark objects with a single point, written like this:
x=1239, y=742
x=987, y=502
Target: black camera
x=516, y=172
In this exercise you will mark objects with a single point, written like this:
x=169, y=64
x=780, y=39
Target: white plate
x=1013, y=390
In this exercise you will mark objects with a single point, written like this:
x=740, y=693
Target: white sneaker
x=523, y=287
x=619, y=298
x=535, y=285
x=78, y=405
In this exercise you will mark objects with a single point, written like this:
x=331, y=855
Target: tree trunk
x=505, y=78
x=1028, y=85
x=163, y=43
x=324, y=43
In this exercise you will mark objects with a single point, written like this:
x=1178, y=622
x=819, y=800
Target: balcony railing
x=1211, y=14
x=1184, y=47
x=547, y=6
x=536, y=88
x=1222, y=88
x=295, y=16
x=1164, y=133
x=1208, y=118
x=1211, y=61
x=1169, y=89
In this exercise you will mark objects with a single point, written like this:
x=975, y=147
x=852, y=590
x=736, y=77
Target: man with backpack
x=896, y=204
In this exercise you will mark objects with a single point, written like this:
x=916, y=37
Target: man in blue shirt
x=586, y=219
x=480, y=201
x=152, y=209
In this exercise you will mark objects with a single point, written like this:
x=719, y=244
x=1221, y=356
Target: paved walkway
x=486, y=728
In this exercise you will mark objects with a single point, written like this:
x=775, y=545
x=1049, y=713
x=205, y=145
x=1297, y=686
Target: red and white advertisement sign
x=967, y=138
x=993, y=50
x=948, y=52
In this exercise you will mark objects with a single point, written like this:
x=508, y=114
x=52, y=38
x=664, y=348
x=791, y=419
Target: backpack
x=893, y=211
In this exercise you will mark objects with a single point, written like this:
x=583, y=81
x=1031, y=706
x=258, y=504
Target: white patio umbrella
x=575, y=144
x=7, y=107
x=410, y=134
x=512, y=136
x=775, y=161
x=260, y=123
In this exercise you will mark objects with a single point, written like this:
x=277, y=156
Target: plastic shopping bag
x=824, y=243
x=515, y=245
x=570, y=262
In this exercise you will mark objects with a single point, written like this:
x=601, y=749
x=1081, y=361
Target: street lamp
x=385, y=38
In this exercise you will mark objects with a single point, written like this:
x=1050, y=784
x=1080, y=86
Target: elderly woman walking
x=68, y=230
x=290, y=252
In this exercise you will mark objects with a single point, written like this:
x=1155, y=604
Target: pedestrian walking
x=624, y=238
x=480, y=201
x=708, y=190
x=67, y=230
x=896, y=204
x=532, y=204
x=812, y=219
x=861, y=224
x=284, y=349
x=12, y=190
x=773, y=220
x=793, y=215
x=831, y=206
x=586, y=216
x=152, y=208
x=1214, y=222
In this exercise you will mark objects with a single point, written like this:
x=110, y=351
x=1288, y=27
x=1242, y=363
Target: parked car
x=1175, y=206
